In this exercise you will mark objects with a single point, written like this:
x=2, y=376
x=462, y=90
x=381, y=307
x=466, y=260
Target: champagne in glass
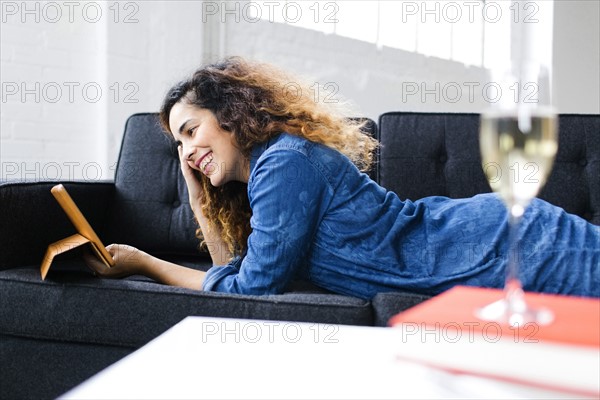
x=517, y=160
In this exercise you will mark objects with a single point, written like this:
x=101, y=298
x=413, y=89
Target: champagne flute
x=518, y=144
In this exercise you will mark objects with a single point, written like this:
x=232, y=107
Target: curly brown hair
x=256, y=102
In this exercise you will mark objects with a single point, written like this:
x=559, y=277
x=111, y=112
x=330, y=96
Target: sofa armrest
x=32, y=219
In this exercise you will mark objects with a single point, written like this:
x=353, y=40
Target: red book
x=564, y=356
x=576, y=319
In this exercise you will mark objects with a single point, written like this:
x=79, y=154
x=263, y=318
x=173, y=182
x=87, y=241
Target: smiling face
x=207, y=147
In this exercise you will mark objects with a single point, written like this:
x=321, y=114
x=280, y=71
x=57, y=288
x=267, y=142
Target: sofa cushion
x=46, y=369
x=73, y=305
x=427, y=154
x=574, y=183
x=386, y=305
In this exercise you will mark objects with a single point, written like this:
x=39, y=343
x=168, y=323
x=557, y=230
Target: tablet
x=86, y=233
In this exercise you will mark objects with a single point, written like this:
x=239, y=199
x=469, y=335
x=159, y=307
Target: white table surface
x=230, y=358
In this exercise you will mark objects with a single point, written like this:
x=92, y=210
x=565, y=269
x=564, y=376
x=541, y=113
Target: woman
x=274, y=182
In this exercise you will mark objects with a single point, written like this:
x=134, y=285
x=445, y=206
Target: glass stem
x=515, y=298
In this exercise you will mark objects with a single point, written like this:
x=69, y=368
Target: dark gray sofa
x=58, y=332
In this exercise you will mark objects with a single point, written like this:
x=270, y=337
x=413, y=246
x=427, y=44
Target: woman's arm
x=288, y=196
x=132, y=261
x=172, y=274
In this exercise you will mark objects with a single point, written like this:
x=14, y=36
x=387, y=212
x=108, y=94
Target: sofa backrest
x=427, y=154
x=151, y=208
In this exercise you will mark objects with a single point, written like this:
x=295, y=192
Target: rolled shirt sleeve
x=287, y=195
x=216, y=273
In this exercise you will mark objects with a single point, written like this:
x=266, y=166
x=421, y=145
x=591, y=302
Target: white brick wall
x=131, y=63
x=146, y=58
x=375, y=80
x=577, y=56
x=45, y=127
x=169, y=40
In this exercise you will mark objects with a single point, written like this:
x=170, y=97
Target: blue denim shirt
x=317, y=217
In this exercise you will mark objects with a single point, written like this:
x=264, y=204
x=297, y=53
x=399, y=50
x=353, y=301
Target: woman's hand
x=192, y=182
x=131, y=261
x=217, y=248
x=128, y=261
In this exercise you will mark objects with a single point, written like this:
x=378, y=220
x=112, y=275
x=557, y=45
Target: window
x=474, y=32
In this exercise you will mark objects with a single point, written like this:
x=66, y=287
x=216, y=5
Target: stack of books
x=563, y=356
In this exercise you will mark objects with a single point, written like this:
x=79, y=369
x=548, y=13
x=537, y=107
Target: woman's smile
x=204, y=161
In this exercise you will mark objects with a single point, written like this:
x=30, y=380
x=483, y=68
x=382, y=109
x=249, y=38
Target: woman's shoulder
x=288, y=144
x=287, y=141
x=302, y=153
